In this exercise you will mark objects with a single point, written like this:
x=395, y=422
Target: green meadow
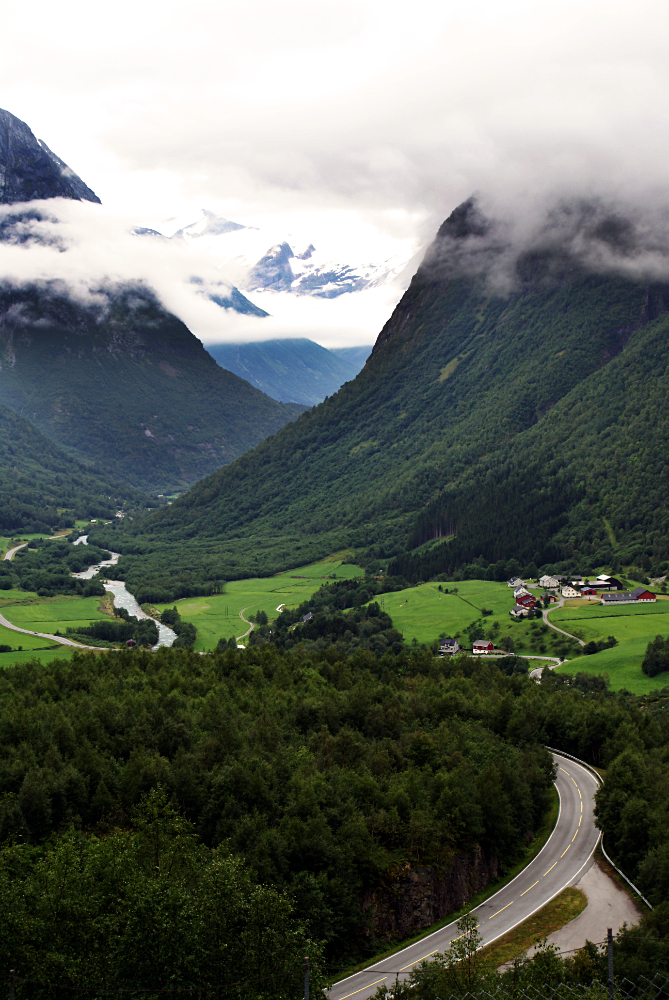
x=424, y=613
x=45, y=656
x=267, y=594
x=54, y=613
x=633, y=626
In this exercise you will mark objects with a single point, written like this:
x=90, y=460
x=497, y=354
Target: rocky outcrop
x=413, y=897
x=30, y=171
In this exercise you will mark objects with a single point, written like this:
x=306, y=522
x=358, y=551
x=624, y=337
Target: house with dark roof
x=605, y=582
x=519, y=611
x=449, y=647
x=639, y=594
x=308, y=617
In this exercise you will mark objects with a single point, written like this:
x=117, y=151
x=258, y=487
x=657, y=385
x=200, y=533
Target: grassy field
x=45, y=656
x=421, y=613
x=15, y=639
x=424, y=613
x=267, y=594
x=54, y=613
x=633, y=626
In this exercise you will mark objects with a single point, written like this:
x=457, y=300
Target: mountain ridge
x=31, y=171
x=458, y=379
x=128, y=386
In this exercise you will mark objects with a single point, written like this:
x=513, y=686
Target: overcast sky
x=343, y=116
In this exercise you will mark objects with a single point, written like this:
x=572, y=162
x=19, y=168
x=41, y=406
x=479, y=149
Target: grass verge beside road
x=551, y=917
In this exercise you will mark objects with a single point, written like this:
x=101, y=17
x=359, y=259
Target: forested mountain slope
x=42, y=488
x=123, y=383
x=515, y=401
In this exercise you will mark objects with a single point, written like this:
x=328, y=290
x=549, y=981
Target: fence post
x=306, y=978
x=11, y=984
x=609, y=936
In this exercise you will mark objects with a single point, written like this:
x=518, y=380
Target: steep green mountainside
x=292, y=370
x=528, y=423
x=119, y=381
x=41, y=487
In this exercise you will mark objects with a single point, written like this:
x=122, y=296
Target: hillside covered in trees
x=43, y=488
x=524, y=422
x=289, y=783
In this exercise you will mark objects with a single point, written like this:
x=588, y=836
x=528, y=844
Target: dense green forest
x=531, y=427
x=127, y=386
x=43, y=488
x=45, y=567
x=322, y=773
x=294, y=780
x=146, y=907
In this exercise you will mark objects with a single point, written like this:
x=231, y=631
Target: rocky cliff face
x=29, y=170
x=414, y=897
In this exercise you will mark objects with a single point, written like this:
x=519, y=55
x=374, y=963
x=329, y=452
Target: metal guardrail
x=598, y=777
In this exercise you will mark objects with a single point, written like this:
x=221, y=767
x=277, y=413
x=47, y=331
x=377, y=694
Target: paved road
x=250, y=624
x=12, y=552
x=45, y=635
x=561, y=630
x=559, y=864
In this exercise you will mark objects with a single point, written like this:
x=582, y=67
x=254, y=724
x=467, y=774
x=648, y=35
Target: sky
x=361, y=123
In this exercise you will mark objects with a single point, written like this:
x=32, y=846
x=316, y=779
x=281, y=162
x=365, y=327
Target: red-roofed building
x=483, y=646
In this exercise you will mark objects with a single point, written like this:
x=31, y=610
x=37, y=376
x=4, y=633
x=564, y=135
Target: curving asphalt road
x=561, y=630
x=46, y=635
x=12, y=552
x=559, y=864
x=250, y=624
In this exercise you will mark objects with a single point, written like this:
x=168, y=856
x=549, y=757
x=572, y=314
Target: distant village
x=555, y=590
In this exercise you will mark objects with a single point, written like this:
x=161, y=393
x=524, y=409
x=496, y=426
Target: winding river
x=122, y=596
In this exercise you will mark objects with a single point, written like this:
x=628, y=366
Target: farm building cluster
x=607, y=589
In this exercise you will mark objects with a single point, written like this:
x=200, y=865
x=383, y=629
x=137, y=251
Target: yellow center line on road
x=364, y=988
x=416, y=960
x=566, y=772
x=574, y=837
x=531, y=887
x=579, y=820
x=564, y=852
x=503, y=908
x=543, y=876
x=581, y=805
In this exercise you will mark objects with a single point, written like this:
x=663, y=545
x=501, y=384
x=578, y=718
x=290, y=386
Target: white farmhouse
x=568, y=591
x=549, y=582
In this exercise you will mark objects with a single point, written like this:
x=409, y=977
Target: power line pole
x=306, y=978
x=609, y=935
x=11, y=984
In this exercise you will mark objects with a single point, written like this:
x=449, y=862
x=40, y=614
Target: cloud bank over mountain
x=359, y=106
x=87, y=248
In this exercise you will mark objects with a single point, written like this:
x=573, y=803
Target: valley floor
x=466, y=610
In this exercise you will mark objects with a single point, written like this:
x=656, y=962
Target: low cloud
x=509, y=241
x=86, y=249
